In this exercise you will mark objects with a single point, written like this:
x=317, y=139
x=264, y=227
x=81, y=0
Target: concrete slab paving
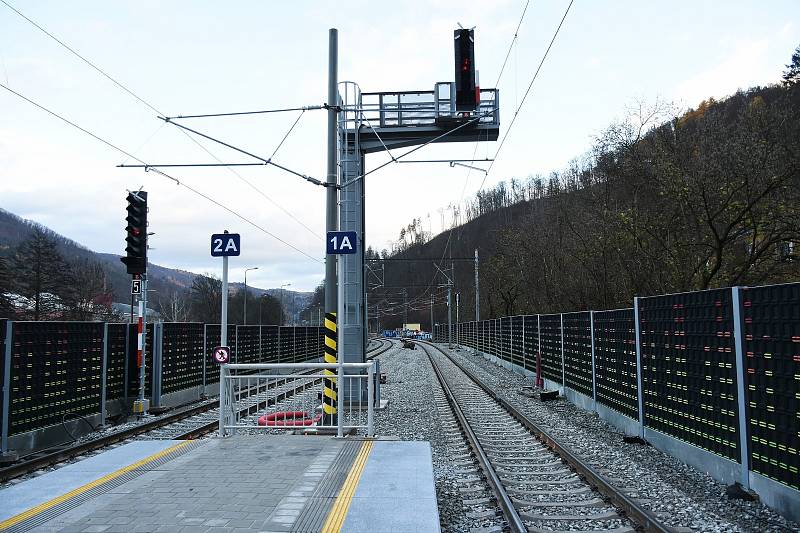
x=243, y=483
x=396, y=492
x=35, y=491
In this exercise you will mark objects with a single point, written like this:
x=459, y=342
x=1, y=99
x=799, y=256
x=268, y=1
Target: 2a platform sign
x=341, y=242
x=225, y=244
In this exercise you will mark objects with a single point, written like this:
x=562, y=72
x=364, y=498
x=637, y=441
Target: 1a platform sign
x=341, y=242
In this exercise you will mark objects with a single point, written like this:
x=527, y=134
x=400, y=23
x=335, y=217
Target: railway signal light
x=136, y=249
x=466, y=83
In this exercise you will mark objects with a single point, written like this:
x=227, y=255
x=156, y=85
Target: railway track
x=185, y=424
x=529, y=482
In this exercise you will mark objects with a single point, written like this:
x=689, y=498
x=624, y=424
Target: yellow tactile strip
x=96, y=484
x=333, y=524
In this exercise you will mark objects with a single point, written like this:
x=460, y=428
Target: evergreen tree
x=792, y=74
x=6, y=310
x=40, y=273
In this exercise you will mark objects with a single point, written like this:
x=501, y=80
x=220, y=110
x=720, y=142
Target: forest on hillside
x=663, y=202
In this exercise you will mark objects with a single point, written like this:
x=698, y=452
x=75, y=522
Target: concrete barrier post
x=741, y=391
x=6, y=386
x=639, y=388
x=104, y=376
x=594, y=368
x=563, y=367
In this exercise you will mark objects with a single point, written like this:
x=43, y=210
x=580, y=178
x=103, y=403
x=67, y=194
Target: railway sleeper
x=594, y=502
x=606, y=515
x=616, y=530
x=566, y=492
x=523, y=483
x=477, y=501
x=504, y=473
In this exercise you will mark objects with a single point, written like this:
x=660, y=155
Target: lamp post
x=282, y=292
x=245, y=292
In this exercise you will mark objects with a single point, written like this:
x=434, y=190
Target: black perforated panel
x=55, y=373
x=578, y=352
x=181, y=356
x=531, y=341
x=689, y=368
x=615, y=361
x=771, y=342
x=517, y=347
x=116, y=354
x=550, y=332
x=247, y=344
x=505, y=338
x=287, y=353
x=269, y=344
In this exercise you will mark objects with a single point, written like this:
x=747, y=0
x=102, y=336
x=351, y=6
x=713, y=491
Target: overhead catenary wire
x=160, y=172
x=475, y=150
x=266, y=161
x=528, y=90
x=153, y=108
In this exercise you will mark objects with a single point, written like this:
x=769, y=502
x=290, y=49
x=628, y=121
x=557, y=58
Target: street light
x=282, y=293
x=245, y=292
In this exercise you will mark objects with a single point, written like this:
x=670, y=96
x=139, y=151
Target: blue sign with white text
x=341, y=242
x=225, y=244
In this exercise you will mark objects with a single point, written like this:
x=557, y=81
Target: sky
x=208, y=57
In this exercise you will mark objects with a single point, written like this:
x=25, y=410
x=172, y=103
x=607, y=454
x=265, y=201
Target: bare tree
x=206, y=295
x=173, y=305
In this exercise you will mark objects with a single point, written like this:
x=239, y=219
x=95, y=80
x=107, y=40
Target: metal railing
x=285, y=399
x=419, y=108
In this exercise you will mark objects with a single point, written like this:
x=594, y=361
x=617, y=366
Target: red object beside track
x=288, y=419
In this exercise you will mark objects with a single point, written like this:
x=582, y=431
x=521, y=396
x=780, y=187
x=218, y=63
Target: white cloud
x=745, y=67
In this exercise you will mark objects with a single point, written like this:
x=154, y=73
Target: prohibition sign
x=222, y=354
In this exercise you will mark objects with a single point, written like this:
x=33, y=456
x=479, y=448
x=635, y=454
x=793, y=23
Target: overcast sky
x=200, y=57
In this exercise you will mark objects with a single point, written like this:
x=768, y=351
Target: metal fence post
x=539, y=380
x=205, y=355
x=639, y=388
x=594, y=377
x=524, y=366
x=6, y=386
x=370, y=401
x=342, y=391
x=157, y=366
x=223, y=399
x=127, y=354
x=104, y=376
x=377, y=382
x=744, y=442
x=563, y=367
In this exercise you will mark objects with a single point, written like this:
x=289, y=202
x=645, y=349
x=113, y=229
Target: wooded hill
x=662, y=203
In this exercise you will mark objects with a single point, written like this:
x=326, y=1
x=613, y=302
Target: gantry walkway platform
x=271, y=483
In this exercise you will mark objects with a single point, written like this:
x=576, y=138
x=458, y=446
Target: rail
x=642, y=517
x=355, y=397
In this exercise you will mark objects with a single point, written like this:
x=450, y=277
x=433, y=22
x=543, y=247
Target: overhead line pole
x=331, y=221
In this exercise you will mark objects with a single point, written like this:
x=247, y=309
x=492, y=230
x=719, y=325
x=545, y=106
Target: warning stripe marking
x=337, y=514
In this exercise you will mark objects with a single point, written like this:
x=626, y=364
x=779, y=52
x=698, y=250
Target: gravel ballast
x=680, y=495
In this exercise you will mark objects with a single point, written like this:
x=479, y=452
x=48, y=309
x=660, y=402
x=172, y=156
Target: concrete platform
x=243, y=483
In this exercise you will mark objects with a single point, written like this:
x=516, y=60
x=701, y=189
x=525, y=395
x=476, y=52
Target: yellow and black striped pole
x=329, y=383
